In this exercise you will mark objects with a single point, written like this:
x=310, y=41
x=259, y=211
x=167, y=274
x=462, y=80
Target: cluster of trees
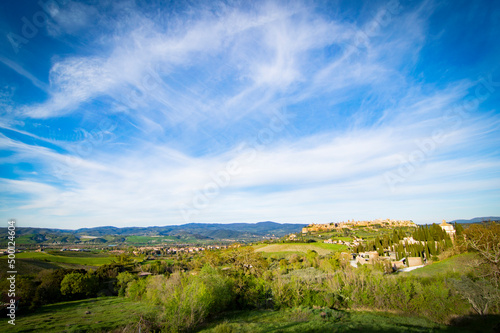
x=185, y=300
x=434, y=232
x=432, y=242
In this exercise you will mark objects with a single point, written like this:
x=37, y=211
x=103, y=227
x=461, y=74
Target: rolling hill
x=477, y=219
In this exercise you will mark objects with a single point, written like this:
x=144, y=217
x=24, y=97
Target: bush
x=136, y=288
x=251, y=292
x=186, y=300
x=122, y=280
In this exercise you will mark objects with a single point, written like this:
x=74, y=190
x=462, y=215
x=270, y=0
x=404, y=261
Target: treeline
x=59, y=285
x=431, y=241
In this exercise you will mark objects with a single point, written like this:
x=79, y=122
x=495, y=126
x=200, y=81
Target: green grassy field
x=345, y=239
x=106, y=314
x=25, y=239
x=321, y=248
x=78, y=258
x=459, y=264
x=301, y=320
x=118, y=314
x=334, y=235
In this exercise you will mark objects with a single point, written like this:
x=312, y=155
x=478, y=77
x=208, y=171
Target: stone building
x=450, y=230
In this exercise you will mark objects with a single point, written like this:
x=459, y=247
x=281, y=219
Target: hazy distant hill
x=478, y=219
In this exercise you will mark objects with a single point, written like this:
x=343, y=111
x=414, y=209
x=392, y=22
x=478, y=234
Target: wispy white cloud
x=263, y=50
x=222, y=76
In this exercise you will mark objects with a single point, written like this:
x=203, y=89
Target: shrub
x=136, y=288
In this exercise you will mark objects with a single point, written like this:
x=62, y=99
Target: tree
x=401, y=250
x=246, y=260
x=79, y=284
x=49, y=290
x=312, y=257
x=479, y=292
x=123, y=259
x=109, y=271
x=395, y=237
x=485, y=240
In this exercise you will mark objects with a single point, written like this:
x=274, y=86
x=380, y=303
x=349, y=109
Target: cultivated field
x=77, y=258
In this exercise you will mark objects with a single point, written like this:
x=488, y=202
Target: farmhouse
x=415, y=261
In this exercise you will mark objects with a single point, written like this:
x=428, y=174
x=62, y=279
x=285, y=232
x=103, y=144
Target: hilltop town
x=350, y=224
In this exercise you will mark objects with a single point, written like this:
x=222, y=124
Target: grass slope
x=301, y=320
x=106, y=314
x=113, y=314
x=321, y=248
x=28, y=266
x=456, y=264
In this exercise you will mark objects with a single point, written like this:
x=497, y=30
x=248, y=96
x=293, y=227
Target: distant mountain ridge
x=197, y=230
x=477, y=219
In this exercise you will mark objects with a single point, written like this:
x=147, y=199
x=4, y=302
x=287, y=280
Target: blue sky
x=137, y=113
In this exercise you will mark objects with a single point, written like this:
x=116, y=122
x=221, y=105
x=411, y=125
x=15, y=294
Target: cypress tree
x=432, y=247
x=395, y=237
